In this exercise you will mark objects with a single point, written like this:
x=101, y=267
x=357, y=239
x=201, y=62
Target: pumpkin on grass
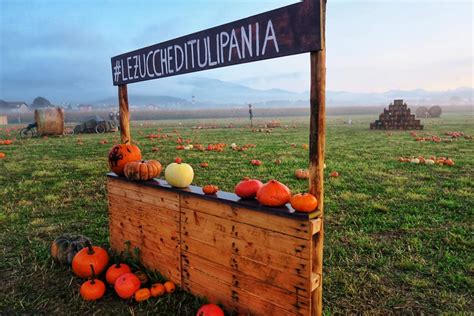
x=116, y=270
x=210, y=310
x=2, y=155
x=142, y=295
x=274, y=193
x=170, y=287
x=93, y=289
x=302, y=174
x=65, y=247
x=305, y=202
x=157, y=289
x=142, y=170
x=126, y=285
x=91, y=255
x=122, y=154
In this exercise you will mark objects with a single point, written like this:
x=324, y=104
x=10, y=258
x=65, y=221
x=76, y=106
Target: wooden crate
x=248, y=257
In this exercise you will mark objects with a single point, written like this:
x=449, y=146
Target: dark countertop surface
x=225, y=197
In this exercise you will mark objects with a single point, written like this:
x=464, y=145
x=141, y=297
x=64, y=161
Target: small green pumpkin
x=65, y=247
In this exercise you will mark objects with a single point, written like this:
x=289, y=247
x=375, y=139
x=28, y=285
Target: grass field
x=397, y=234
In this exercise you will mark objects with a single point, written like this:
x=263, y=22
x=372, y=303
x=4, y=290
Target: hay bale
x=49, y=121
x=422, y=112
x=435, y=111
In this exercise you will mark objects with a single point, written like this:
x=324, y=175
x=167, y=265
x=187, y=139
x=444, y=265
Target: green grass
x=399, y=236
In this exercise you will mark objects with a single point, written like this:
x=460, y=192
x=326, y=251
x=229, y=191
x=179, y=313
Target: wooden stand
x=250, y=258
x=253, y=259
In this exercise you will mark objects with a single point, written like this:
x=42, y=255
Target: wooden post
x=317, y=139
x=124, y=115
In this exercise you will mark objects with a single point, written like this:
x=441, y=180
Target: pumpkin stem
x=89, y=245
x=117, y=265
x=93, y=274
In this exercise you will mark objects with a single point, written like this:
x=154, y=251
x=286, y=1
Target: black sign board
x=289, y=30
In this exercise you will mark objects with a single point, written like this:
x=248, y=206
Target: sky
x=61, y=49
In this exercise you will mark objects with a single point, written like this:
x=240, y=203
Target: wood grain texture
x=124, y=115
x=316, y=153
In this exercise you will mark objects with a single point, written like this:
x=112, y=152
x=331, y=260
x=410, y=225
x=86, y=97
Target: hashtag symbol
x=117, y=70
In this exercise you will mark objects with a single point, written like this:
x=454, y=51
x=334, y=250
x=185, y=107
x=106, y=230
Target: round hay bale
x=422, y=111
x=49, y=121
x=435, y=111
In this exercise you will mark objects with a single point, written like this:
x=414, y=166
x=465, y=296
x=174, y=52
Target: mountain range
x=200, y=92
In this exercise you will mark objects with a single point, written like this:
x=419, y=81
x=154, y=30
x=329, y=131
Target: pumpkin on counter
x=305, y=202
x=65, y=247
x=142, y=170
x=122, y=154
x=91, y=255
x=274, y=193
x=210, y=189
x=248, y=188
x=179, y=175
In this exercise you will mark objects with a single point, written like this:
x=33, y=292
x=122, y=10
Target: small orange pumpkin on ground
x=170, y=287
x=142, y=295
x=2, y=155
x=210, y=310
x=334, y=174
x=157, y=289
x=115, y=271
x=274, y=193
x=305, y=202
x=126, y=285
x=301, y=174
x=210, y=189
x=204, y=164
x=93, y=289
x=94, y=255
x=122, y=154
x=142, y=170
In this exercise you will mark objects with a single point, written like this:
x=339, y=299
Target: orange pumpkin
x=248, y=188
x=157, y=290
x=210, y=310
x=301, y=174
x=142, y=295
x=93, y=289
x=210, y=189
x=91, y=255
x=274, y=193
x=142, y=170
x=122, y=154
x=2, y=155
x=170, y=287
x=116, y=270
x=126, y=285
x=305, y=202
x=334, y=174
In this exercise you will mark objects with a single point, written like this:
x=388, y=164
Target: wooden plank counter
x=251, y=258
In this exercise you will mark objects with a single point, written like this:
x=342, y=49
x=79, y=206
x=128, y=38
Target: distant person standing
x=251, y=115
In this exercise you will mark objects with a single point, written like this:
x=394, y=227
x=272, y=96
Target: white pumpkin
x=429, y=162
x=179, y=175
x=415, y=160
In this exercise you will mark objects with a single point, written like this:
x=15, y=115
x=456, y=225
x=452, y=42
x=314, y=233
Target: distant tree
x=41, y=102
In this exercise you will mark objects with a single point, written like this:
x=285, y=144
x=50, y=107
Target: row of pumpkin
x=89, y=262
x=126, y=160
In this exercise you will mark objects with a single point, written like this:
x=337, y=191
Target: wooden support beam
x=317, y=139
x=124, y=115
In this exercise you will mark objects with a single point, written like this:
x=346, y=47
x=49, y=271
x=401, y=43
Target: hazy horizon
x=61, y=49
